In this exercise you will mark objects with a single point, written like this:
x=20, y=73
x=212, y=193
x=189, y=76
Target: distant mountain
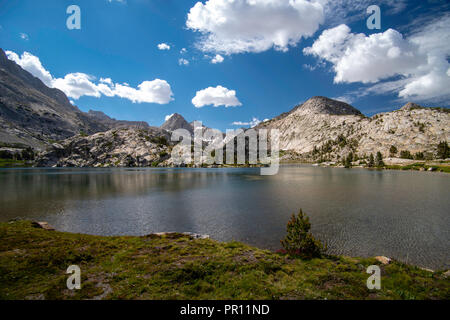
x=322, y=128
x=111, y=123
x=176, y=121
x=33, y=114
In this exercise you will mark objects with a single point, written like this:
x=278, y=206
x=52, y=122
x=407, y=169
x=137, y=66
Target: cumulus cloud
x=156, y=91
x=183, y=62
x=76, y=85
x=216, y=96
x=163, y=46
x=420, y=60
x=32, y=64
x=217, y=59
x=361, y=58
x=237, y=26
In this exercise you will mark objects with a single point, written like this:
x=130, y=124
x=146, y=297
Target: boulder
x=43, y=225
x=383, y=259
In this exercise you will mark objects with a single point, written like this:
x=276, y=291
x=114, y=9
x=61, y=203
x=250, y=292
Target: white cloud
x=107, y=81
x=217, y=59
x=347, y=11
x=168, y=116
x=76, y=85
x=254, y=25
x=24, y=36
x=420, y=60
x=183, y=51
x=253, y=123
x=367, y=59
x=163, y=46
x=183, y=62
x=218, y=96
x=32, y=64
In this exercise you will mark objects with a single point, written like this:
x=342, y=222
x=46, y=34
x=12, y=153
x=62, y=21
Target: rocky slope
x=125, y=147
x=33, y=114
x=176, y=121
x=330, y=129
x=321, y=129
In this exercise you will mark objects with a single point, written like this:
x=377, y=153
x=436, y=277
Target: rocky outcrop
x=329, y=129
x=383, y=259
x=126, y=147
x=176, y=121
x=35, y=115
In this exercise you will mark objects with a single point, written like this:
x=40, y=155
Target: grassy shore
x=33, y=262
x=10, y=163
x=421, y=167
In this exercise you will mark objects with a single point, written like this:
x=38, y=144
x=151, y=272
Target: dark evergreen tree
x=299, y=241
x=371, y=161
x=379, y=160
x=443, y=151
x=393, y=151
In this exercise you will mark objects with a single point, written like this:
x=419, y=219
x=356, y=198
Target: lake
x=357, y=212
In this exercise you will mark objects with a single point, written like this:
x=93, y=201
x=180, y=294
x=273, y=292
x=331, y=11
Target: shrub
x=299, y=241
x=159, y=140
x=163, y=154
x=154, y=163
x=371, y=161
x=348, y=160
x=443, y=151
x=419, y=156
x=393, y=151
x=5, y=154
x=405, y=154
x=379, y=160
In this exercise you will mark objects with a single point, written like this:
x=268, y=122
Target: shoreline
x=174, y=266
x=416, y=166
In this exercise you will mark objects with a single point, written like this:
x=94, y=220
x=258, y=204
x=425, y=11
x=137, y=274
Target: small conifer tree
x=299, y=241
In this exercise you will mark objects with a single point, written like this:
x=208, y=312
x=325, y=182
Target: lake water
x=358, y=212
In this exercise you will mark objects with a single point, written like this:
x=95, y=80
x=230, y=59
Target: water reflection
x=357, y=212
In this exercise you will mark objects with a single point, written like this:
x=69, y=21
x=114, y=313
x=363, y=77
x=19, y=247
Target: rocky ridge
x=32, y=114
x=330, y=129
x=125, y=147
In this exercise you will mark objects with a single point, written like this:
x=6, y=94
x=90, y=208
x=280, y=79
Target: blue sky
x=265, y=70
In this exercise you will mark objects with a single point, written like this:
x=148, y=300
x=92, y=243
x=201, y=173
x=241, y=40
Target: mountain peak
x=176, y=121
x=324, y=105
x=410, y=106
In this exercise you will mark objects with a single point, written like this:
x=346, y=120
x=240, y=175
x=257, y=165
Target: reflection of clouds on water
x=357, y=212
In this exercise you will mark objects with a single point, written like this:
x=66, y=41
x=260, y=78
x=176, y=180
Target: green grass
x=10, y=163
x=33, y=262
x=420, y=166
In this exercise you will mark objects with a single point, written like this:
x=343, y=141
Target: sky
x=231, y=63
